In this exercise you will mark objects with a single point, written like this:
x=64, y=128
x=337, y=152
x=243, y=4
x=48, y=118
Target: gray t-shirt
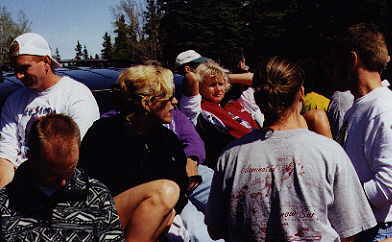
x=290, y=185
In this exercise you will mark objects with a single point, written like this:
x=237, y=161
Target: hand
x=191, y=170
x=191, y=84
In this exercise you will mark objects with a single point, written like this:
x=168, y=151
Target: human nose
x=174, y=101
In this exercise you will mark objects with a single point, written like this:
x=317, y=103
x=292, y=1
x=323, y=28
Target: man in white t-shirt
x=44, y=92
x=366, y=133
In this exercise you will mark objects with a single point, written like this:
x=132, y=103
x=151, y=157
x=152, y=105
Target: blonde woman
x=204, y=90
x=136, y=157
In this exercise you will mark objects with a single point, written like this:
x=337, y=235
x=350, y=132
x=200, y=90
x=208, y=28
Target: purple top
x=187, y=134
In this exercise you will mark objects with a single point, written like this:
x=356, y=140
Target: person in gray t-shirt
x=284, y=182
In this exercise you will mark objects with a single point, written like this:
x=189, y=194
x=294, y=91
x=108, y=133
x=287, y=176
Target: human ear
x=354, y=58
x=145, y=103
x=47, y=61
x=187, y=69
x=301, y=94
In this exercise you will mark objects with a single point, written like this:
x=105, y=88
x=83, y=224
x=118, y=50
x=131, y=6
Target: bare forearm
x=243, y=78
x=7, y=171
x=191, y=85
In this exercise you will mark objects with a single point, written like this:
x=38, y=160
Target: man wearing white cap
x=45, y=92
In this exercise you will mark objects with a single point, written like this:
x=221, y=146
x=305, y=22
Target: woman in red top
x=204, y=90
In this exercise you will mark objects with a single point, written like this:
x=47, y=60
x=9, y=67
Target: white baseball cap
x=34, y=44
x=189, y=56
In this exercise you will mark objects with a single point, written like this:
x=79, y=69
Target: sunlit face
x=163, y=109
x=213, y=88
x=31, y=71
x=54, y=170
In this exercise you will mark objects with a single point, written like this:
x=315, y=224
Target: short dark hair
x=369, y=43
x=49, y=130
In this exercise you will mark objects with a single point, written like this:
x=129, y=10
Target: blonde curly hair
x=144, y=82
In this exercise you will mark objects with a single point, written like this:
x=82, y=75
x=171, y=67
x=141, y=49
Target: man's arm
x=190, y=102
x=83, y=109
x=9, y=144
x=378, y=150
x=243, y=78
x=350, y=212
x=7, y=172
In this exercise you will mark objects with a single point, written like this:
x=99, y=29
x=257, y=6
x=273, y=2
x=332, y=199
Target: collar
x=39, y=203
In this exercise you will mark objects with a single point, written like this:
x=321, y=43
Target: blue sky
x=63, y=22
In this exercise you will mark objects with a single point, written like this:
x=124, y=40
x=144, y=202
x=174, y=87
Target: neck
x=367, y=81
x=291, y=120
x=51, y=79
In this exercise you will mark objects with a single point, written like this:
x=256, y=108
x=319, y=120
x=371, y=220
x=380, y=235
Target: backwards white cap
x=34, y=44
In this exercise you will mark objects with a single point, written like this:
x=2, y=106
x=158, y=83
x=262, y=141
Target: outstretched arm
x=243, y=78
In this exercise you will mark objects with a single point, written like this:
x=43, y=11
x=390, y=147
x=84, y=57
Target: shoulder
x=94, y=186
x=376, y=106
x=75, y=87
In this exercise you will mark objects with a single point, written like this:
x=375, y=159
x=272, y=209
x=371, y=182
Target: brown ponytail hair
x=276, y=87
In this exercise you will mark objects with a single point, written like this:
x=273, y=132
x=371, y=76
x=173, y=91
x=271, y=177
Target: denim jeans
x=193, y=213
x=380, y=232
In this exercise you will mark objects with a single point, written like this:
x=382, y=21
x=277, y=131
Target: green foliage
x=107, y=50
x=57, y=55
x=261, y=28
x=9, y=30
x=85, y=53
x=78, y=50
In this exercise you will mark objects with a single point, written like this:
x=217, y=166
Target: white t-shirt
x=247, y=99
x=292, y=185
x=24, y=105
x=367, y=137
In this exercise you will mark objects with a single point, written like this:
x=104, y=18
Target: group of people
x=177, y=152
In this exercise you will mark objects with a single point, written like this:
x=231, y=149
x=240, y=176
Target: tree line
x=160, y=29
x=218, y=29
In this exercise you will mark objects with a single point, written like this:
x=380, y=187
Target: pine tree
x=57, y=55
x=107, y=50
x=153, y=15
x=121, y=47
x=85, y=53
x=96, y=57
x=78, y=50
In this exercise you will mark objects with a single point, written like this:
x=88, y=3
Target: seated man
x=49, y=199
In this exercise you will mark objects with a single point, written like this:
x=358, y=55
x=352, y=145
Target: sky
x=63, y=22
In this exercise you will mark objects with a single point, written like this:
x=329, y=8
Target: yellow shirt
x=314, y=100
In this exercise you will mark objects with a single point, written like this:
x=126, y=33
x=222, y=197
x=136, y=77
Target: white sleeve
x=83, y=108
x=350, y=212
x=378, y=149
x=9, y=132
x=191, y=107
